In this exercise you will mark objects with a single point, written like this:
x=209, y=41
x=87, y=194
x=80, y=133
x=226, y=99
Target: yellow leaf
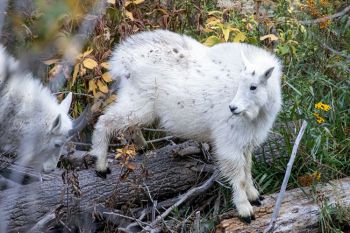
x=87, y=52
x=212, y=21
x=107, y=77
x=90, y=63
x=111, y=99
x=92, y=86
x=212, y=40
x=232, y=29
x=129, y=14
x=102, y=86
x=214, y=13
x=226, y=32
x=239, y=37
x=207, y=30
x=51, y=61
x=131, y=166
x=82, y=70
x=111, y=1
x=75, y=74
x=136, y=2
x=272, y=37
x=105, y=65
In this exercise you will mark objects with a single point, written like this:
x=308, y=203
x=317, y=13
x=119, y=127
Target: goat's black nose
x=232, y=108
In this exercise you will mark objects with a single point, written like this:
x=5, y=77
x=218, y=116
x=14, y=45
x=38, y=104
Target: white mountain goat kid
x=228, y=95
x=32, y=123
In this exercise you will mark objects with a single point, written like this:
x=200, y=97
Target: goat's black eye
x=252, y=88
x=57, y=145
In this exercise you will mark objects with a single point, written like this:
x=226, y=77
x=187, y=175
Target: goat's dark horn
x=80, y=123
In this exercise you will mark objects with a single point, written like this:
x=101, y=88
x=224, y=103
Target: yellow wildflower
x=308, y=179
x=325, y=24
x=324, y=3
x=317, y=175
x=322, y=106
x=319, y=119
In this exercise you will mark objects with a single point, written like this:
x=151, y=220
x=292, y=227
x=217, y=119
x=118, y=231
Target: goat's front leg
x=232, y=168
x=252, y=192
x=100, y=140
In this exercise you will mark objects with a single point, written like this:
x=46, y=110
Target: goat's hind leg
x=117, y=118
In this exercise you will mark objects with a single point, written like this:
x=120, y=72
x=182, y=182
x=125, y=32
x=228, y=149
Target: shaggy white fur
x=32, y=123
x=228, y=95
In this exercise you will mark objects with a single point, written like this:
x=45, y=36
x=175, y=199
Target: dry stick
x=198, y=222
x=74, y=93
x=329, y=17
x=154, y=130
x=160, y=139
x=3, y=7
x=190, y=193
x=280, y=197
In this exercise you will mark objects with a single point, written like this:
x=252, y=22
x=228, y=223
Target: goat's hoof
x=256, y=202
x=261, y=198
x=247, y=219
x=103, y=174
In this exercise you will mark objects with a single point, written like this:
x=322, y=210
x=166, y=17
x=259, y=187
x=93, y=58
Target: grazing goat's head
x=253, y=89
x=44, y=147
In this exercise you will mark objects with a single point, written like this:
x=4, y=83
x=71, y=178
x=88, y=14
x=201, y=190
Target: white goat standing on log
x=228, y=94
x=32, y=123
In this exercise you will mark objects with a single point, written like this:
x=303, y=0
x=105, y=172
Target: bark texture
x=298, y=212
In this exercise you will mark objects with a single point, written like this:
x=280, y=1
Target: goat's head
x=45, y=146
x=252, y=91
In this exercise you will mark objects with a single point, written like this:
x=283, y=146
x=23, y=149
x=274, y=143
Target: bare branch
x=280, y=197
x=329, y=17
x=43, y=222
x=335, y=51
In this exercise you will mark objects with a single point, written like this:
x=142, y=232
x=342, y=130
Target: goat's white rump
x=32, y=123
x=228, y=95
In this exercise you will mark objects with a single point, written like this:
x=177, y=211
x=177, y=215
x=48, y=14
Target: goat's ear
x=66, y=102
x=56, y=124
x=246, y=63
x=268, y=72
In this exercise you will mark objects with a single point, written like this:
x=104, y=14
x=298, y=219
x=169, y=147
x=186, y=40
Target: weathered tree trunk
x=298, y=213
x=163, y=173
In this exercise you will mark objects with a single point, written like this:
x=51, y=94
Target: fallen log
x=298, y=213
x=162, y=173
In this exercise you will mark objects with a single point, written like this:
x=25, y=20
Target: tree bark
x=164, y=172
x=298, y=213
